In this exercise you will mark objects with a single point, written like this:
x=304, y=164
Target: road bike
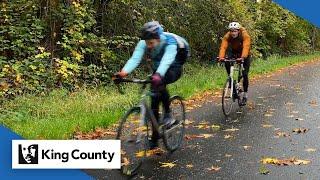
x=135, y=128
x=232, y=90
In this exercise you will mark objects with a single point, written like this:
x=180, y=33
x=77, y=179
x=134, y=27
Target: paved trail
x=279, y=103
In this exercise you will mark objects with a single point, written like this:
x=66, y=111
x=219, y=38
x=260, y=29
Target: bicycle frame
x=240, y=68
x=147, y=111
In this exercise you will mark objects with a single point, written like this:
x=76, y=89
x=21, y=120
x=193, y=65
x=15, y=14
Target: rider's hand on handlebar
x=221, y=59
x=239, y=60
x=156, y=80
x=120, y=74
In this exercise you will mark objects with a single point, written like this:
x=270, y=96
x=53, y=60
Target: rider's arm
x=167, y=59
x=136, y=57
x=224, y=45
x=246, y=44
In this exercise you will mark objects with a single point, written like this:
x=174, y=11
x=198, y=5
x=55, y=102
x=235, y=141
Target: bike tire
x=177, y=130
x=133, y=149
x=226, y=96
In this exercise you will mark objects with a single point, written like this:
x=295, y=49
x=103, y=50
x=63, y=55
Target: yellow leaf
x=270, y=161
x=202, y=126
x=215, y=126
x=231, y=130
x=206, y=135
x=282, y=134
x=189, y=166
x=125, y=162
x=149, y=153
x=140, y=154
x=267, y=125
x=214, y=168
x=167, y=164
x=187, y=122
x=268, y=115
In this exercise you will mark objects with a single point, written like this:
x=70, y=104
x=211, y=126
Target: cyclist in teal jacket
x=168, y=53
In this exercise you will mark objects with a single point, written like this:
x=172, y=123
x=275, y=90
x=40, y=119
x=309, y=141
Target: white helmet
x=234, y=25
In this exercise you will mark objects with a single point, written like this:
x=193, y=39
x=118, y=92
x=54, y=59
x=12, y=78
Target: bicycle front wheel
x=173, y=136
x=132, y=132
x=227, y=100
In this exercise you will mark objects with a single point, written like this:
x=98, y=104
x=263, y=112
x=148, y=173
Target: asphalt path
x=278, y=103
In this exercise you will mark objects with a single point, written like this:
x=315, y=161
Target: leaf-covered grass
x=59, y=114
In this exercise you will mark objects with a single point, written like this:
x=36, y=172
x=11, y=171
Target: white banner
x=66, y=154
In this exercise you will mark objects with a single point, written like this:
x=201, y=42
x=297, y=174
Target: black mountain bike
x=135, y=128
x=232, y=90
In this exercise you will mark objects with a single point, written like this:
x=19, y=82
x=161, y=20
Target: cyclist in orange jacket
x=236, y=44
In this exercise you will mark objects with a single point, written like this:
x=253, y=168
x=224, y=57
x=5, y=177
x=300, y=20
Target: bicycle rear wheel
x=133, y=134
x=173, y=136
x=227, y=100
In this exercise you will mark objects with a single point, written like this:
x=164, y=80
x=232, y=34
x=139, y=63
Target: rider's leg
x=172, y=75
x=155, y=101
x=245, y=74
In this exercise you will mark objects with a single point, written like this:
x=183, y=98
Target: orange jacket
x=240, y=44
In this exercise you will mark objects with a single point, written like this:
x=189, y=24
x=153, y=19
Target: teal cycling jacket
x=163, y=56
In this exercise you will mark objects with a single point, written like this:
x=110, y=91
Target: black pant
x=245, y=72
x=161, y=94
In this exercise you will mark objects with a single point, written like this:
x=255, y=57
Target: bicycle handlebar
x=230, y=60
x=117, y=80
x=137, y=81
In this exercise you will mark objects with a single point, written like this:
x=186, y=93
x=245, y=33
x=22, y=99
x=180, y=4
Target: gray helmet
x=151, y=30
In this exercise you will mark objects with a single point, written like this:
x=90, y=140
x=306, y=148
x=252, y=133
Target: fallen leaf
x=125, y=162
x=214, y=168
x=189, y=166
x=268, y=115
x=284, y=162
x=231, y=130
x=264, y=170
x=282, y=134
x=206, y=135
x=204, y=123
x=301, y=162
x=167, y=164
x=313, y=103
x=300, y=130
x=311, y=150
x=215, y=127
x=269, y=161
x=187, y=122
x=227, y=155
x=228, y=136
x=148, y=153
x=202, y=126
x=289, y=103
x=246, y=147
x=267, y=125
x=194, y=136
